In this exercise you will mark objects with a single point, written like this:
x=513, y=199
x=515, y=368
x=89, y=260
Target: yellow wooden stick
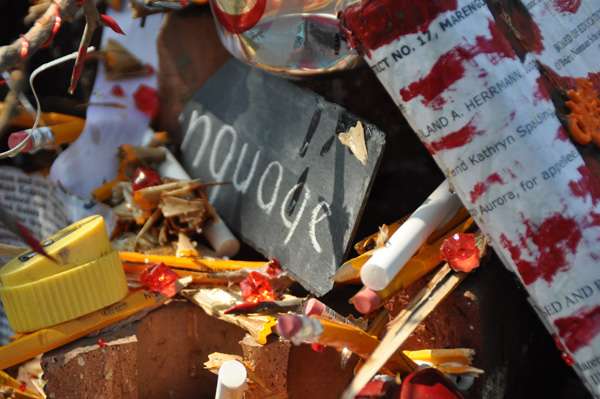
x=197, y=278
x=340, y=336
x=203, y=265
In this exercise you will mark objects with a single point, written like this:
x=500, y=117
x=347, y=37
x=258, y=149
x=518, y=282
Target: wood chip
x=355, y=140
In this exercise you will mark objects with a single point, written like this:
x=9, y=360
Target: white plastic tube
x=387, y=261
x=232, y=380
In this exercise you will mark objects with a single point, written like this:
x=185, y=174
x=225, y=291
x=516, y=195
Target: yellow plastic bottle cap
x=38, y=293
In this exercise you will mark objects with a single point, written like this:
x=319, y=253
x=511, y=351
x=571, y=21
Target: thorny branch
x=38, y=35
x=43, y=30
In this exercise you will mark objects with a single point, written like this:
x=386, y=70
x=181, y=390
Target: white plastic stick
x=232, y=380
x=387, y=261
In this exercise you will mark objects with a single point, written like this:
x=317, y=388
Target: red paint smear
x=554, y=238
x=449, y=67
x=595, y=220
x=446, y=71
x=239, y=23
x=561, y=134
x=595, y=79
x=378, y=22
x=510, y=173
x=541, y=93
x=429, y=148
x=566, y=6
x=528, y=30
x=497, y=44
x=587, y=185
x=482, y=187
x=579, y=329
x=495, y=178
x=455, y=139
x=552, y=80
x=77, y=68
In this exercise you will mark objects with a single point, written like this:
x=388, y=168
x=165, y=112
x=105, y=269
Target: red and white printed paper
x=488, y=121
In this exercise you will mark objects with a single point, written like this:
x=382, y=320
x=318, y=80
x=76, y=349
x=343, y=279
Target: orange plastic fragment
x=584, y=119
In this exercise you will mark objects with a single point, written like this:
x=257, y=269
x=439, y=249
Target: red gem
x=256, y=288
x=117, y=90
x=146, y=99
x=566, y=357
x=101, y=343
x=159, y=278
x=273, y=268
x=460, y=252
x=317, y=347
x=143, y=178
x=22, y=387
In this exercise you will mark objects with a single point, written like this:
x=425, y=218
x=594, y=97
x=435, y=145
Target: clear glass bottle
x=289, y=37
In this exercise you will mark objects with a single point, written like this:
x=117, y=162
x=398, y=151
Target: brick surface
x=84, y=370
x=270, y=363
x=161, y=356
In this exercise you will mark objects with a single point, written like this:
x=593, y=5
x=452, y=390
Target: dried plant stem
x=38, y=35
x=11, y=55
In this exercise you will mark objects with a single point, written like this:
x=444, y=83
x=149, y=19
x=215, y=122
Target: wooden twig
x=13, y=55
x=38, y=35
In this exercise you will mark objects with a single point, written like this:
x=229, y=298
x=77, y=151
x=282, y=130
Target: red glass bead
x=568, y=359
x=273, y=268
x=117, y=90
x=146, y=99
x=257, y=288
x=317, y=347
x=143, y=178
x=565, y=356
x=159, y=278
x=101, y=343
x=22, y=387
x=460, y=252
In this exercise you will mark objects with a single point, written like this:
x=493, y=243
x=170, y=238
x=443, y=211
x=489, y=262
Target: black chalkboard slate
x=296, y=192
